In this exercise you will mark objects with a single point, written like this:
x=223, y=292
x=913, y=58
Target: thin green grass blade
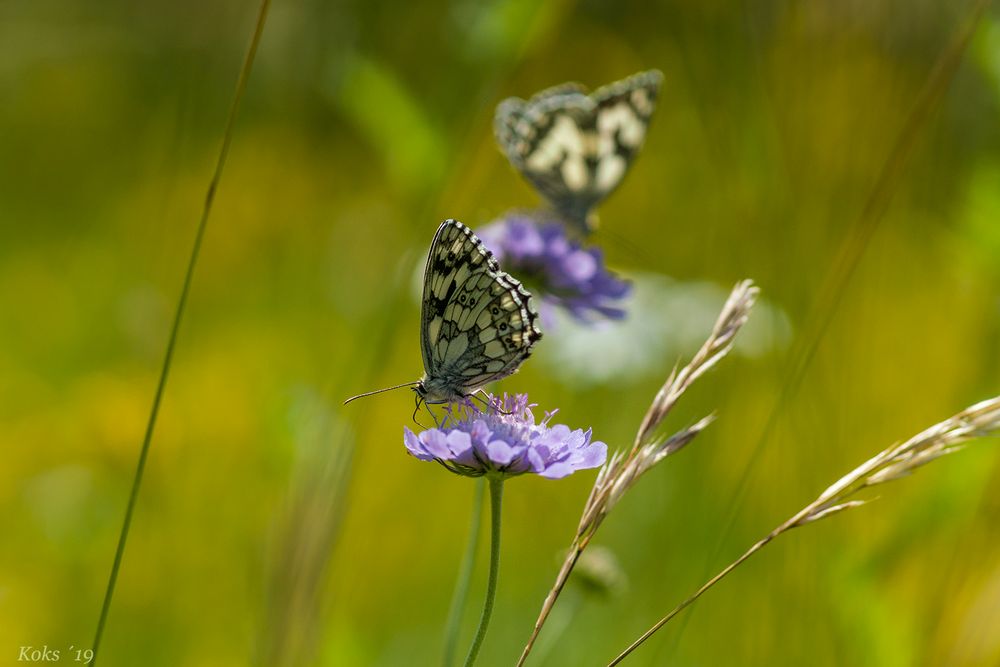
x=175, y=328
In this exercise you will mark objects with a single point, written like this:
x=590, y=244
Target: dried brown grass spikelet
x=901, y=460
x=950, y=435
x=650, y=447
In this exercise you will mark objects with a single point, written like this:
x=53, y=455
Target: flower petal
x=536, y=462
x=480, y=432
x=500, y=453
x=436, y=443
x=414, y=446
x=592, y=456
x=460, y=446
x=558, y=471
x=580, y=265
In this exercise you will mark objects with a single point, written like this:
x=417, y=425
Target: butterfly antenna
x=379, y=391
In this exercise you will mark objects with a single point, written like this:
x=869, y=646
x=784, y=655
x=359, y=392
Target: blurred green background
x=277, y=527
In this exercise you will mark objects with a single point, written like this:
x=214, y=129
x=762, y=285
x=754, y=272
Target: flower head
x=504, y=439
x=555, y=267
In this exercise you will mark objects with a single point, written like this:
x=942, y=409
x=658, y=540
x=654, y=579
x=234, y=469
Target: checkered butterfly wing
x=573, y=147
x=477, y=323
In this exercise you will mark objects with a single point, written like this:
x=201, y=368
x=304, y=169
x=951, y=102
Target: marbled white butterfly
x=573, y=147
x=477, y=323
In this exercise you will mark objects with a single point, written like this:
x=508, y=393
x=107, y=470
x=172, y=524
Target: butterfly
x=575, y=147
x=477, y=323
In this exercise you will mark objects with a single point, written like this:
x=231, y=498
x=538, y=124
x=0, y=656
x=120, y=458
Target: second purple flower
x=556, y=268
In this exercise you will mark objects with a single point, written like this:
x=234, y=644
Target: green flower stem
x=496, y=499
x=461, y=594
x=175, y=328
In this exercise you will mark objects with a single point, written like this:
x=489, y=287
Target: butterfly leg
x=416, y=409
x=422, y=403
x=434, y=418
x=485, y=399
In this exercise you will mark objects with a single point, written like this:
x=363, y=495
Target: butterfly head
x=436, y=391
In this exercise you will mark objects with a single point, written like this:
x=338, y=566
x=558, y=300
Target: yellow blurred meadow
x=844, y=155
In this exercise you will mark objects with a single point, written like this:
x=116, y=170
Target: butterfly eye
x=461, y=299
x=472, y=302
x=503, y=327
x=495, y=310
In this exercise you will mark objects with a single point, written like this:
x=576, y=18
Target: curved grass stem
x=175, y=327
x=852, y=249
x=697, y=594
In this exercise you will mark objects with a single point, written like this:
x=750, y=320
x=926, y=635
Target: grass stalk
x=852, y=250
x=896, y=462
x=175, y=327
x=650, y=446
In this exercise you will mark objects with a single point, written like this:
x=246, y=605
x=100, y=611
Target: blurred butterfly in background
x=575, y=147
x=477, y=323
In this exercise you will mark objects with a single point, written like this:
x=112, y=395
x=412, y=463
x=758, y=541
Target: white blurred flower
x=666, y=319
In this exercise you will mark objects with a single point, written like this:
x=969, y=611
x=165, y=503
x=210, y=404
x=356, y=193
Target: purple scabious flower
x=503, y=439
x=555, y=267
